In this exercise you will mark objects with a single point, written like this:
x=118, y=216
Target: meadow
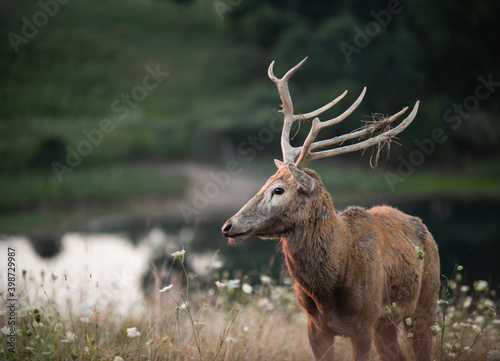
x=214, y=317
x=62, y=84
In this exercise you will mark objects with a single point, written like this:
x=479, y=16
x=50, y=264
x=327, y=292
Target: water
x=121, y=256
x=467, y=233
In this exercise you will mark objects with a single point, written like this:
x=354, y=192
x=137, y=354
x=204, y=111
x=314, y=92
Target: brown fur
x=349, y=267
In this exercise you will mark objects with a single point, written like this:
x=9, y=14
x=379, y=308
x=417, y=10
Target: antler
x=301, y=156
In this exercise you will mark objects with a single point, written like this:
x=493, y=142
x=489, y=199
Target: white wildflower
x=58, y=327
x=199, y=325
x=493, y=355
x=29, y=348
x=488, y=303
x=265, y=279
x=220, y=285
x=217, y=264
x=247, y=288
x=233, y=283
x=435, y=329
x=410, y=335
x=467, y=301
x=132, y=332
x=409, y=321
x=22, y=312
x=178, y=254
x=231, y=339
x=265, y=303
x=166, y=289
x=5, y=330
x=245, y=329
x=464, y=289
x=481, y=286
x=70, y=337
x=476, y=328
x=479, y=319
x=184, y=305
x=118, y=358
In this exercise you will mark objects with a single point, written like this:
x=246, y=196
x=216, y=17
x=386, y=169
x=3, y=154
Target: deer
x=357, y=273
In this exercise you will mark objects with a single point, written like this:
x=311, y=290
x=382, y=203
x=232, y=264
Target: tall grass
x=213, y=317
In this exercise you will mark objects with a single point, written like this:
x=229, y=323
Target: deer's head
x=278, y=207
x=289, y=196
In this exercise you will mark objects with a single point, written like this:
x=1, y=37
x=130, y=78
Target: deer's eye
x=278, y=191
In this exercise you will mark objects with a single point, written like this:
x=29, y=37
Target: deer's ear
x=305, y=181
x=278, y=163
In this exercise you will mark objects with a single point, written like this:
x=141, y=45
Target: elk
x=357, y=273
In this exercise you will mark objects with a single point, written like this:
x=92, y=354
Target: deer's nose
x=226, y=228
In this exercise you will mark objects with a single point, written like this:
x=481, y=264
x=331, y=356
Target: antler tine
x=366, y=143
x=290, y=153
x=324, y=108
x=317, y=125
x=282, y=85
x=356, y=134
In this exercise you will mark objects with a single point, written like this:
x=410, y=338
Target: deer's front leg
x=321, y=343
x=361, y=346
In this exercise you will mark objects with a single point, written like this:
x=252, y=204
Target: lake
x=120, y=255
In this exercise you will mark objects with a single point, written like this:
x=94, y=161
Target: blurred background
x=155, y=121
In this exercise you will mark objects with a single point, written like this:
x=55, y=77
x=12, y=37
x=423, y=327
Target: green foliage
x=89, y=55
x=86, y=184
x=66, y=79
x=434, y=52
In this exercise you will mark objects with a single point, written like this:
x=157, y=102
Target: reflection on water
x=96, y=269
x=103, y=268
x=117, y=263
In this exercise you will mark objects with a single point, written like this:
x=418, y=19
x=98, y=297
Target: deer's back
x=384, y=241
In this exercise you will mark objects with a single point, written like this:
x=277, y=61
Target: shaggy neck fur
x=314, y=242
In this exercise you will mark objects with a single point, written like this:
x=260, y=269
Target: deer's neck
x=315, y=250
